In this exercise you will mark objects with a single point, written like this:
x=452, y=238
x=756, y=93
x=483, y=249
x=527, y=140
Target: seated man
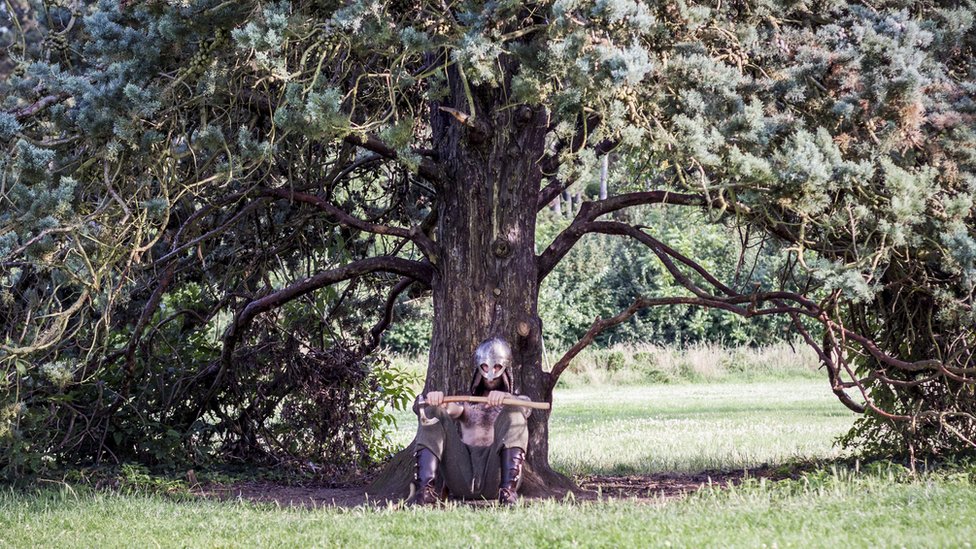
x=479, y=447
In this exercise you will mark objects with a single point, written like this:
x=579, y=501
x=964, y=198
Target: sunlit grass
x=694, y=427
x=687, y=427
x=820, y=510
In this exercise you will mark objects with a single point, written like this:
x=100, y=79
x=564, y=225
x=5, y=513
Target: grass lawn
x=819, y=511
x=694, y=427
x=687, y=427
x=643, y=429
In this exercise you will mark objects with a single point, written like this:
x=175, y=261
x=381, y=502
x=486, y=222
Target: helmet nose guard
x=492, y=358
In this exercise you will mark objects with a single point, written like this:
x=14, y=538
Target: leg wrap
x=425, y=472
x=512, y=459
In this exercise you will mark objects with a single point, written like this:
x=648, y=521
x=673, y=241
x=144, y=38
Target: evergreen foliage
x=167, y=165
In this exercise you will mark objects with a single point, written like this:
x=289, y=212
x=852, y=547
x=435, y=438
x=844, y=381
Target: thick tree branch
x=39, y=105
x=416, y=270
x=428, y=169
x=415, y=234
x=599, y=325
x=373, y=340
x=590, y=211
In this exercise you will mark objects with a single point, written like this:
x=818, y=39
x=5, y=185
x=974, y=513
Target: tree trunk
x=486, y=280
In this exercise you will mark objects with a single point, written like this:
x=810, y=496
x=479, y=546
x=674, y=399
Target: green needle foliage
x=167, y=168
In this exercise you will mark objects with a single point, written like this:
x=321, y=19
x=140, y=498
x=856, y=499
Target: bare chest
x=478, y=424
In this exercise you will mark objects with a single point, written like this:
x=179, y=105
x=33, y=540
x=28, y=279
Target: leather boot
x=425, y=471
x=512, y=459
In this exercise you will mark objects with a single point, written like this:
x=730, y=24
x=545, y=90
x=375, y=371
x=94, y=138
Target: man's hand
x=495, y=398
x=435, y=398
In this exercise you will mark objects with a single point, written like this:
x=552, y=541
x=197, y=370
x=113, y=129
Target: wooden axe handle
x=507, y=401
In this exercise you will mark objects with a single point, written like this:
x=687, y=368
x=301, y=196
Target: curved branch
x=833, y=374
x=416, y=235
x=749, y=305
x=664, y=253
x=416, y=270
x=377, y=330
x=599, y=325
x=51, y=335
x=809, y=307
x=589, y=211
x=427, y=168
x=39, y=105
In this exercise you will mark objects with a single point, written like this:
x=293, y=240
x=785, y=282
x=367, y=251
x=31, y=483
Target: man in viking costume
x=478, y=448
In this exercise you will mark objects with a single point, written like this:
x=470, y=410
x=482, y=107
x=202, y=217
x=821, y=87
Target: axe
x=507, y=401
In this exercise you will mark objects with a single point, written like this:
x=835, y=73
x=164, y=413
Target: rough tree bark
x=486, y=271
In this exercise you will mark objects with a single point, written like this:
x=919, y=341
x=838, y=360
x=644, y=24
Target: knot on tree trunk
x=524, y=115
x=501, y=247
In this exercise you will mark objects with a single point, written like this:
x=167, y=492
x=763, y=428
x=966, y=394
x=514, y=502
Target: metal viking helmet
x=493, y=360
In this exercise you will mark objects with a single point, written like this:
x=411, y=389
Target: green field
x=867, y=512
x=687, y=427
x=645, y=428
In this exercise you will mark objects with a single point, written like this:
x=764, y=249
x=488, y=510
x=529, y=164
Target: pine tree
x=209, y=206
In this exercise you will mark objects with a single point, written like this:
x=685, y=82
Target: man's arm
x=436, y=398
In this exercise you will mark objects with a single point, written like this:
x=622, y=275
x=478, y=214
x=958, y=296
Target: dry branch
x=589, y=211
x=377, y=330
x=749, y=305
x=416, y=270
x=427, y=168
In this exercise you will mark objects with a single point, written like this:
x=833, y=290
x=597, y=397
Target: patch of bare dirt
x=642, y=488
x=667, y=485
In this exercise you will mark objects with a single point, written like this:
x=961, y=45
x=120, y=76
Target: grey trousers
x=470, y=471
